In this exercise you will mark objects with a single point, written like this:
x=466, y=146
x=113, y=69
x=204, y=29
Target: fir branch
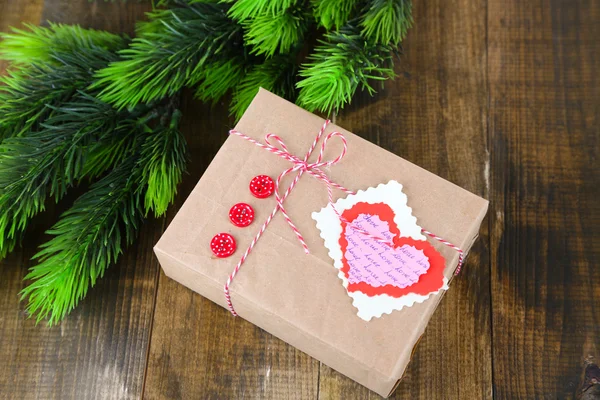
x=219, y=77
x=164, y=155
x=47, y=162
x=333, y=13
x=387, y=21
x=338, y=67
x=86, y=240
x=277, y=74
x=90, y=236
x=41, y=44
x=246, y=9
x=172, y=50
x=28, y=92
x=113, y=146
x=270, y=34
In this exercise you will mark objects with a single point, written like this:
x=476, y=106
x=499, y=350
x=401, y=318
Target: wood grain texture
x=544, y=130
x=99, y=351
x=500, y=97
x=112, y=16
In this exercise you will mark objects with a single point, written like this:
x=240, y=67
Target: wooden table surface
x=499, y=97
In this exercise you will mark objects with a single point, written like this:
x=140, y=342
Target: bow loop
x=277, y=146
x=320, y=161
x=283, y=151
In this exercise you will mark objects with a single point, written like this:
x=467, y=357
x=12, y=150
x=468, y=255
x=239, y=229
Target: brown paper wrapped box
x=298, y=297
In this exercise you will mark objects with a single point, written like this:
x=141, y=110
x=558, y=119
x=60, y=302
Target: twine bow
x=301, y=166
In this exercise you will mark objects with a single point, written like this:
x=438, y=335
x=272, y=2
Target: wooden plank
x=545, y=225
x=434, y=114
x=99, y=350
x=113, y=16
x=198, y=350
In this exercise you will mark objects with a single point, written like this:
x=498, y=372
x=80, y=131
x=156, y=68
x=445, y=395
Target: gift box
x=311, y=300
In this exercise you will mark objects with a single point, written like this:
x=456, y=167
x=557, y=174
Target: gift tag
x=384, y=261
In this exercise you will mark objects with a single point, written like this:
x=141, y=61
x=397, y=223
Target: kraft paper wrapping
x=297, y=297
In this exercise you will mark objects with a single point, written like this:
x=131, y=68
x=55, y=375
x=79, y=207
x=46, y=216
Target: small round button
x=262, y=186
x=223, y=245
x=241, y=215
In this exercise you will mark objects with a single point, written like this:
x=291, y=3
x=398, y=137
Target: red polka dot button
x=223, y=245
x=241, y=215
x=262, y=186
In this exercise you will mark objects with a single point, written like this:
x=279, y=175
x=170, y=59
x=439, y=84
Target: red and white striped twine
x=461, y=253
x=314, y=169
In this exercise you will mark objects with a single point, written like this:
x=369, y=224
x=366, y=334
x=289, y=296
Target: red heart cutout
x=424, y=280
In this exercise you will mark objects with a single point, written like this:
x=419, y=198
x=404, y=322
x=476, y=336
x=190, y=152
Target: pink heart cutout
x=411, y=266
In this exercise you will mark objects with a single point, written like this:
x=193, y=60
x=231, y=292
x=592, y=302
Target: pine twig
x=164, y=156
x=90, y=236
x=86, y=240
x=40, y=44
x=170, y=51
x=279, y=33
x=277, y=74
x=47, y=122
x=61, y=62
x=338, y=66
x=386, y=21
x=334, y=13
x=219, y=77
x=47, y=162
x=248, y=9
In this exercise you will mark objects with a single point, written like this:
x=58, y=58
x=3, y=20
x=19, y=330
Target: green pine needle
x=28, y=92
x=270, y=34
x=40, y=44
x=164, y=158
x=171, y=51
x=90, y=236
x=277, y=74
x=86, y=241
x=47, y=124
x=26, y=95
x=245, y=9
x=338, y=67
x=387, y=21
x=113, y=145
x=219, y=77
x=333, y=13
x=48, y=162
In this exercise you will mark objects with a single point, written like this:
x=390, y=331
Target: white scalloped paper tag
x=381, y=278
